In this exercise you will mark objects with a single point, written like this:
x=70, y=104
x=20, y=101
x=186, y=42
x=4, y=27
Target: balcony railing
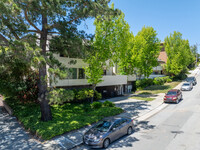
x=107, y=81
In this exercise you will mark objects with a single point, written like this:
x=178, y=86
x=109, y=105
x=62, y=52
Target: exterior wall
x=131, y=78
x=158, y=68
x=108, y=79
x=68, y=62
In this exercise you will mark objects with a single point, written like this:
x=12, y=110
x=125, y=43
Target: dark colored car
x=107, y=131
x=191, y=80
x=174, y=95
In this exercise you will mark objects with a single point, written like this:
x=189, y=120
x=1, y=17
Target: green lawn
x=148, y=93
x=142, y=98
x=66, y=118
x=155, y=89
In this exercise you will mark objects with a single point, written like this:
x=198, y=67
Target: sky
x=165, y=16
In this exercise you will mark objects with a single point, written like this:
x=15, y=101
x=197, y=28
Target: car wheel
x=129, y=130
x=106, y=143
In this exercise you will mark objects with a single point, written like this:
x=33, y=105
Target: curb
x=8, y=109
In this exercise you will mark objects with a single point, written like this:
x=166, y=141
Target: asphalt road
x=177, y=127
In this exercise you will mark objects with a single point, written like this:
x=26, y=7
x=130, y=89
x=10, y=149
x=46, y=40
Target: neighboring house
x=112, y=84
x=162, y=59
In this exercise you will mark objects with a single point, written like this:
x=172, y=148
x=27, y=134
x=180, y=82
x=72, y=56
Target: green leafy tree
x=194, y=51
x=94, y=71
x=23, y=18
x=146, y=50
x=110, y=46
x=179, y=54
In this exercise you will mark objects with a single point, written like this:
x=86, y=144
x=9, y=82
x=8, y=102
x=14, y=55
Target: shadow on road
x=12, y=134
x=132, y=109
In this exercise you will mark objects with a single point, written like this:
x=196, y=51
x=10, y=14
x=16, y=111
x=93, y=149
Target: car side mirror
x=113, y=129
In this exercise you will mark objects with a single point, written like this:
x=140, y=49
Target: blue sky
x=165, y=16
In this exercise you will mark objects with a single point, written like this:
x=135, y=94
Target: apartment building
x=112, y=84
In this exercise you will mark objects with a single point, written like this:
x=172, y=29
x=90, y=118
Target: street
x=177, y=127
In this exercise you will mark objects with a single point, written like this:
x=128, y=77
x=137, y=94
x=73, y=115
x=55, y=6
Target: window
x=81, y=73
x=72, y=73
x=104, y=72
x=116, y=124
x=103, y=126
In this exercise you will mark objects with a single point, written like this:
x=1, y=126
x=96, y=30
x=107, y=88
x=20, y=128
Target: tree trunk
x=42, y=85
x=94, y=88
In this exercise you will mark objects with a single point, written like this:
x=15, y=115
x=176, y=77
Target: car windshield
x=186, y=84
x=171, y=93
x=103, y=126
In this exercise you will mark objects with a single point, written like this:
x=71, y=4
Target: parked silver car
x=107, y=131
x=188, y=86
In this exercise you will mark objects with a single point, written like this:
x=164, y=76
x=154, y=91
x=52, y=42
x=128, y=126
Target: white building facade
x=112, y=84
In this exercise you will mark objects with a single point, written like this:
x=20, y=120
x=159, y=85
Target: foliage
x=22, y=19
x=97, y=95
x=28, y=90
x=60, y=95
x=96, y=105
x=179, y=54
x=156, y=81
x=110, y=46
x=94, y=71
x=66, y=117
x=83, y=94
x=145, y=51
x=144, y=83
x=108, y=104
x=161, y=80
x=15, y=67
x=155, y=89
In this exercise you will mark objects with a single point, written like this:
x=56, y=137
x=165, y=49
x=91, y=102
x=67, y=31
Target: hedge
x=140, y=84
x=60, y=95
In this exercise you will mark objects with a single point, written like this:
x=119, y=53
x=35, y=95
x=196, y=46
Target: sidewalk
x=136, y=109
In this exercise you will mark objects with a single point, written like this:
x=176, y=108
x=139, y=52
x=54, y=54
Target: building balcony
x=131, y=78
x=107, y=81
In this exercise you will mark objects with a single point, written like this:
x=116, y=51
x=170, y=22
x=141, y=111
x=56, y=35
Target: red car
x=173, y=95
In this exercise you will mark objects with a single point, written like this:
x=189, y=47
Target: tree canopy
x=146, y=50
x=21, y=20
x=179, y=54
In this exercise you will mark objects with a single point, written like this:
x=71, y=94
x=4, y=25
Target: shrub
x=60, y=95
x=144, y=83
x=96, y=105
x=97, y=95
x=169, y=80
x=159, y=80
x=108, y=104
x=27, y=90
x=140, y=84
x=84, y=94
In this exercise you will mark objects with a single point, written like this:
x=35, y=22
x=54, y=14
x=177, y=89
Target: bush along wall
x=140, y=84
x=60, y=95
